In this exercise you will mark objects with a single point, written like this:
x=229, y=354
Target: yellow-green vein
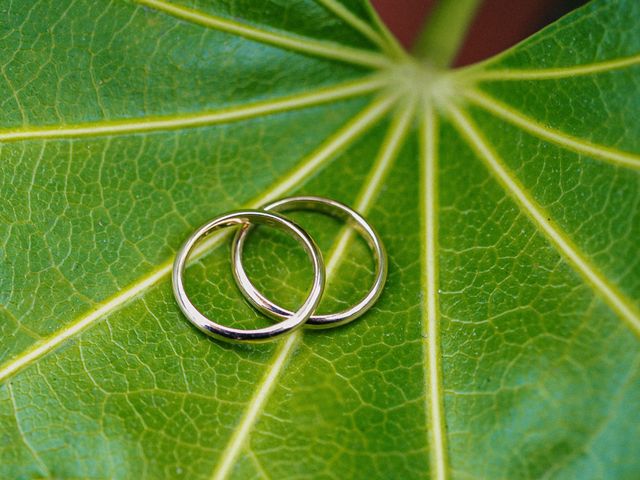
x=357, y=23
x=430, y=311
x=373, y=183
x=569, y=142
x=313, y=47
x=478, y=75
x=255, y=406
x=608, y=292
x=347, y=134
x=173, y=122
x=390, y=38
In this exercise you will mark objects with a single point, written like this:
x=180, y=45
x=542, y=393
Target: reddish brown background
x=498, y=25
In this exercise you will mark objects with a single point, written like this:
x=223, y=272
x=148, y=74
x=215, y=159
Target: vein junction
x=407, y=85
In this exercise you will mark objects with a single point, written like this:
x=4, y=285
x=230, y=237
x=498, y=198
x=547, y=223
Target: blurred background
x=498, y=24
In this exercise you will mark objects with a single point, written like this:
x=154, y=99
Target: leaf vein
x=625, y=309
x=313, y=47
x=172, y=122
x=430, y=314
x=358, y=24
x=550, y=73
x=562, y=139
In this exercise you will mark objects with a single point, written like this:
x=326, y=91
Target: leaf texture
x=505, y=344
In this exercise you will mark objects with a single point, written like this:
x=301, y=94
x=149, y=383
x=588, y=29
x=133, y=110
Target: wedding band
x=292, y=321
x=329, y=207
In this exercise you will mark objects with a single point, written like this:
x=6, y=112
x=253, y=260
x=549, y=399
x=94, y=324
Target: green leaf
x=505, y=344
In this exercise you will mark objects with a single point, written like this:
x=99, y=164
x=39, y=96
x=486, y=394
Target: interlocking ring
x=335, y=209
x=292, y=321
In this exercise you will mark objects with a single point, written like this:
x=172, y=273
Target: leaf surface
x=505, y=344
